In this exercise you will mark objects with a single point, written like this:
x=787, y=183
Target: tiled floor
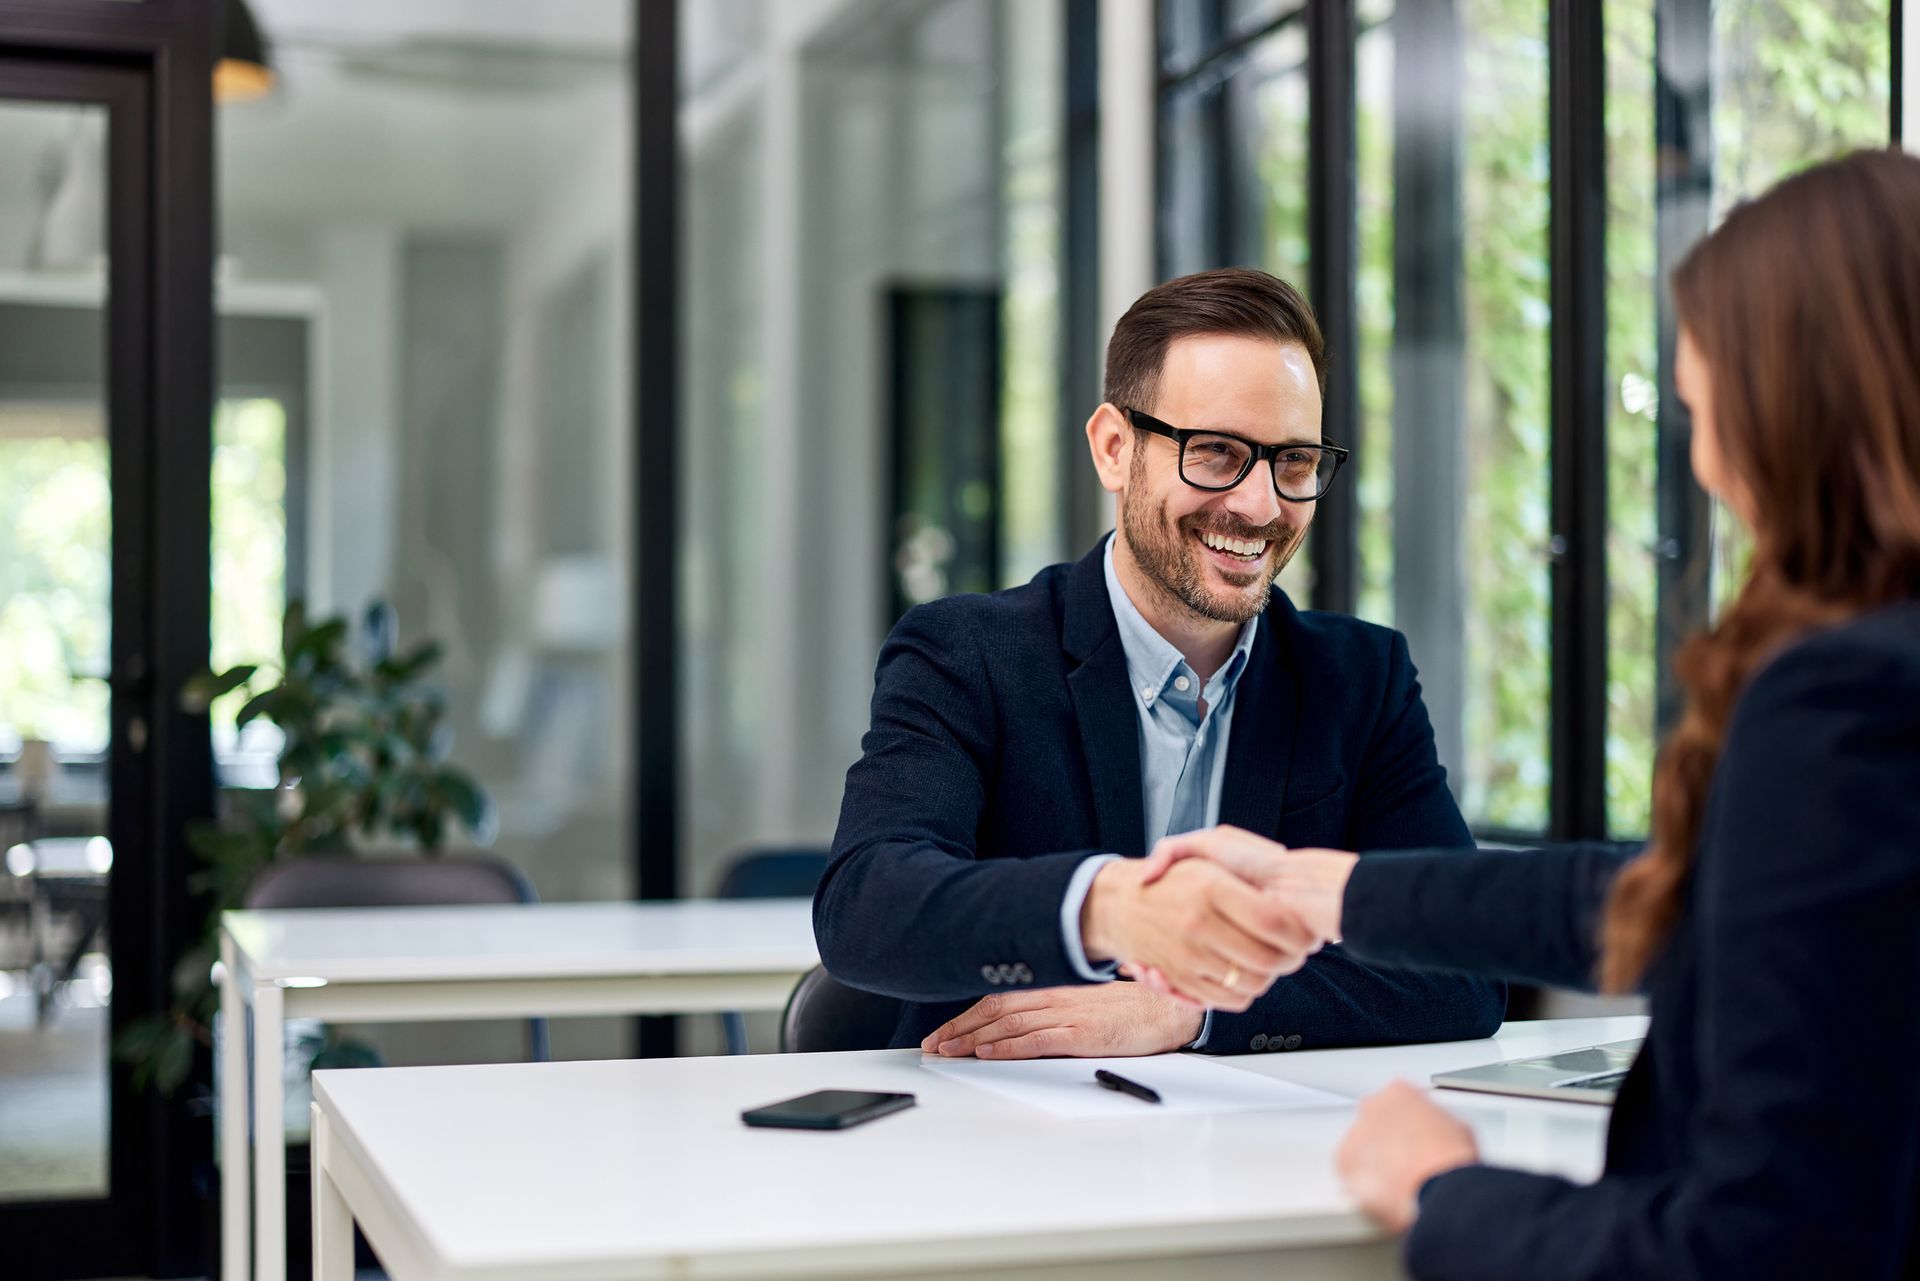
x=53, y=1091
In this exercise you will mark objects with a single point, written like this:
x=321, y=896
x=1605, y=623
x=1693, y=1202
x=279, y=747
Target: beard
x=1170, y=554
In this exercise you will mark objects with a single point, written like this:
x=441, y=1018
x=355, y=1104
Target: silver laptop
x=1592, y=1075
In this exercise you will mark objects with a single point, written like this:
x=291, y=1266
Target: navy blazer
x=1005, y=749
x=1771, y=1126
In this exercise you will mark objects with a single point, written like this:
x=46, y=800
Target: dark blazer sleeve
x=1400, y=801
x=906, y=907
x=1803, y=908
x=1530, y=916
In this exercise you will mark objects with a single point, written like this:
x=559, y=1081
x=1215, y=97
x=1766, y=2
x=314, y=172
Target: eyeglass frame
x=1257, y=453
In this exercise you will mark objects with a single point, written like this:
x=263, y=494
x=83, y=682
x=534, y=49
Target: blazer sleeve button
x=1259, y=1041
x=1293, y=1042
x=990, y=974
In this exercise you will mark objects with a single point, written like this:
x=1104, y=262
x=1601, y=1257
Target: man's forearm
x=915, y=922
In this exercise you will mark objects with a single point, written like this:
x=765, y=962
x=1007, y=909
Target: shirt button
x=1182, y=684
x=1147, y=694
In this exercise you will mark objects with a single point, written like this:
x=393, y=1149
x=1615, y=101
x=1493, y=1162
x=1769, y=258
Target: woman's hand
x=1399, y=1140
x=1312, y=884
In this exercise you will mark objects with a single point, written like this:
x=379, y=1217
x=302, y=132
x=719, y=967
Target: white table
x=642, y=1169
x=394, y=964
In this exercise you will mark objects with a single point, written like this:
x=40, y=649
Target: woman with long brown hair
x=1771, y=1125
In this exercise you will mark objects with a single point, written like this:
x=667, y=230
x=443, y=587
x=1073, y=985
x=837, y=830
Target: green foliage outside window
x=1795, y=81
x=54, y=530
x=249, y=538
x=1506, y=507
x=1632, y=415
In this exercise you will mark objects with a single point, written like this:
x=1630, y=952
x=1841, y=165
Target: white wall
x=353, y=443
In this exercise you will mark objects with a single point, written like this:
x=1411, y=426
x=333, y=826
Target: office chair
x=19, y=824
x=767, y=873
x=824, y=1014
x=345, y=881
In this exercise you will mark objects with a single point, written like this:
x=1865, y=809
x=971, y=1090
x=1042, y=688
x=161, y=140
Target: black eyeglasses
x=1215, y=460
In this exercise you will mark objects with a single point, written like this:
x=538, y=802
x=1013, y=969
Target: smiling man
x=1027, y=747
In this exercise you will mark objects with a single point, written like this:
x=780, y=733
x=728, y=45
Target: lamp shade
x=242, y=70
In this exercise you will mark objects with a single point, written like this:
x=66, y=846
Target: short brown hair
x=1230, y=300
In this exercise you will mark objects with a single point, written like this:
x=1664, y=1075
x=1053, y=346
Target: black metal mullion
x=1429, y=357
x=1683, y=141
x=1080, y=339
x=1225, y=180
x=1577, y=103
x=655, y=583
x=1897, y=66
x=181, y=245
x=1332, y=281
x=1227, y=49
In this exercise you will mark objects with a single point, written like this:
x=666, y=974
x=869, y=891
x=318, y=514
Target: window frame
x=1578, y=649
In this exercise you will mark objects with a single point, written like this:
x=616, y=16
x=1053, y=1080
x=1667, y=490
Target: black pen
x=1114, y=1081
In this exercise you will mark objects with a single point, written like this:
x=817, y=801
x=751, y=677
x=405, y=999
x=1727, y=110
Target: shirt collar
x=1152, y=661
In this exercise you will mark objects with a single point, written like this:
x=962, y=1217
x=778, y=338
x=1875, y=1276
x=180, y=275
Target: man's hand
x=1400, y=1139
x=1311, y=883
x=1218, y=941
x=1100, y=1020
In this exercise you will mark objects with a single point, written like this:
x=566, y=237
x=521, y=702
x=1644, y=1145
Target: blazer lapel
x=1103, y=706
x=1265, y=717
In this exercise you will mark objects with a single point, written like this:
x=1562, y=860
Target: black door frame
x=150, y=65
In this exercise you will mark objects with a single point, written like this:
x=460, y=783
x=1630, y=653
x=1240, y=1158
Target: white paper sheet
x=1186, y=1083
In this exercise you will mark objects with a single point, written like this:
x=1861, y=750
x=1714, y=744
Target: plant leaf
x=203, y=687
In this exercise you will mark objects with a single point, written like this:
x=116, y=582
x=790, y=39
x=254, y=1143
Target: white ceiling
x=446, y=114
x=591, y=23
x=449, y=113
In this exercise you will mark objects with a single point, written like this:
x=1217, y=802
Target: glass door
x=75, y=697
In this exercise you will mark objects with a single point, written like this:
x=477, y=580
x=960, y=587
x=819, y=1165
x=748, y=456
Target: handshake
x=1213, y=917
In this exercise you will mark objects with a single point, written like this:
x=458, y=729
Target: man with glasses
x=1028, y=746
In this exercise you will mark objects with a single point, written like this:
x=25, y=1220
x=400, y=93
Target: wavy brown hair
x=1805, y=305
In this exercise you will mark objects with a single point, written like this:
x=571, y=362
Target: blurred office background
x=653, y=357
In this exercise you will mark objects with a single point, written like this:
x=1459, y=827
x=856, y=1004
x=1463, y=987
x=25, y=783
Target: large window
x=1705, y=111
x=1233, y=153
x=1457, y=538
x=871, y=412
x=426, y=401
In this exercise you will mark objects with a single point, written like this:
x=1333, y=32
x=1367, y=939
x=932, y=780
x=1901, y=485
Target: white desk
x=394, y=964
x=642, y=1169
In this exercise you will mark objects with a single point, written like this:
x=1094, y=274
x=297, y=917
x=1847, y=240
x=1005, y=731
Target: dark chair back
x=824, y=1014
x=773, y=873
x=449, y=880
x=345, y=881
x=20, y=823
x=767, y=873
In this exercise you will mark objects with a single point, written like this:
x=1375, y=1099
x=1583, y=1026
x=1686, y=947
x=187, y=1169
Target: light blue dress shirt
x=1183, y=750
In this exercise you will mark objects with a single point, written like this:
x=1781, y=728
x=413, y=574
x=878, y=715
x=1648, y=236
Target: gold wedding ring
x=1232, y=978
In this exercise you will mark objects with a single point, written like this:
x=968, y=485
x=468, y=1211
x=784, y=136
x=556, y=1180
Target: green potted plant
x=363, y=764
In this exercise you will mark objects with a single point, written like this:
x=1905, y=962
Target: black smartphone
x=827, y=1110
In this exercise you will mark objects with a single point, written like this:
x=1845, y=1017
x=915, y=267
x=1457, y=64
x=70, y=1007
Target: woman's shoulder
x=1821, y=760
x=1869, y=664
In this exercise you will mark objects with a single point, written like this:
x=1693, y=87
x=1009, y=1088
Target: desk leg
x=332, y=1221
x=269, y=1135
x=236, y=1205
